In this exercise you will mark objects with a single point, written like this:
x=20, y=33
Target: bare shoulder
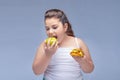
x=81, y=42
x=41, y=46
x=83, y=45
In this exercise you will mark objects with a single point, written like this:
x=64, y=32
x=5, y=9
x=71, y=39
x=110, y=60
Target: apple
x=51, y=40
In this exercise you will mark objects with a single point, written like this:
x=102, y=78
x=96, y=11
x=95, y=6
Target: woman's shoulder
x=80, y=41
x=41, y=45
x=77, y=38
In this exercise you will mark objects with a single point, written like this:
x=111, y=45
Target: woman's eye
x=55, y=27
x=47, y=29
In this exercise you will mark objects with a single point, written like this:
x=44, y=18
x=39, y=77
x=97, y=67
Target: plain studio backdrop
x=97, y=22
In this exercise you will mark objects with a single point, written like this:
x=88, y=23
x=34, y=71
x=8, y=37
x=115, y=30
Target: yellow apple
x=51, y=40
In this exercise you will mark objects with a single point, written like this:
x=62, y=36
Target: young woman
x=55, y=60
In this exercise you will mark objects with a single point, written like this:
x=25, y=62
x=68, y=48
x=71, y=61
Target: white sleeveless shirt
x=63, y=66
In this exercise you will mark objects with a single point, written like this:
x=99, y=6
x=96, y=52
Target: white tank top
x=62, y=66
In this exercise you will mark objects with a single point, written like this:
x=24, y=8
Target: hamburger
x=77, y=53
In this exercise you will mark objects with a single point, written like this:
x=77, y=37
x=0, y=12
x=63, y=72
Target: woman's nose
x=51, y=31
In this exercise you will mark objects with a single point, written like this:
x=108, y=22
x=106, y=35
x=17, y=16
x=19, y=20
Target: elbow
x=90, y=69
x=36, y=71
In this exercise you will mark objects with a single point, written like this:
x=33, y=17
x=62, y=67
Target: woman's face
x=55, y=28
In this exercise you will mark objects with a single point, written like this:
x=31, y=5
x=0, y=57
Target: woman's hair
x=62, y=17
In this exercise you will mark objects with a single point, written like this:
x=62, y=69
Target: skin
x=44, y=52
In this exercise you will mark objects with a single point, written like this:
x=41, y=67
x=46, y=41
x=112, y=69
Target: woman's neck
x=65, y=42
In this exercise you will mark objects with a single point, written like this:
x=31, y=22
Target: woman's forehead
x=51, y=21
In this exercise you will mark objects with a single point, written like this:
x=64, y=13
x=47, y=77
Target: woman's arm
x=41, y=60
x=85, y=62
x=43, y=57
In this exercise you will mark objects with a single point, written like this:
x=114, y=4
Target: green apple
x=51, y=40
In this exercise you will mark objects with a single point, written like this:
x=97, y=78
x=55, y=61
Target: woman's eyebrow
x=46, y=26
x=54, y=25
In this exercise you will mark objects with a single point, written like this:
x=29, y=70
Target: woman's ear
x=65, y=26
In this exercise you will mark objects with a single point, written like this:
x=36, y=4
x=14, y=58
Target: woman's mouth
x=55, y=37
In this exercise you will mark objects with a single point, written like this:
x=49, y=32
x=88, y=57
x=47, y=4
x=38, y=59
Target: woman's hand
x=49, y=48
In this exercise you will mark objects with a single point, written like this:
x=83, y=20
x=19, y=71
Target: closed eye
x=47, y=28
x=54, y=27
